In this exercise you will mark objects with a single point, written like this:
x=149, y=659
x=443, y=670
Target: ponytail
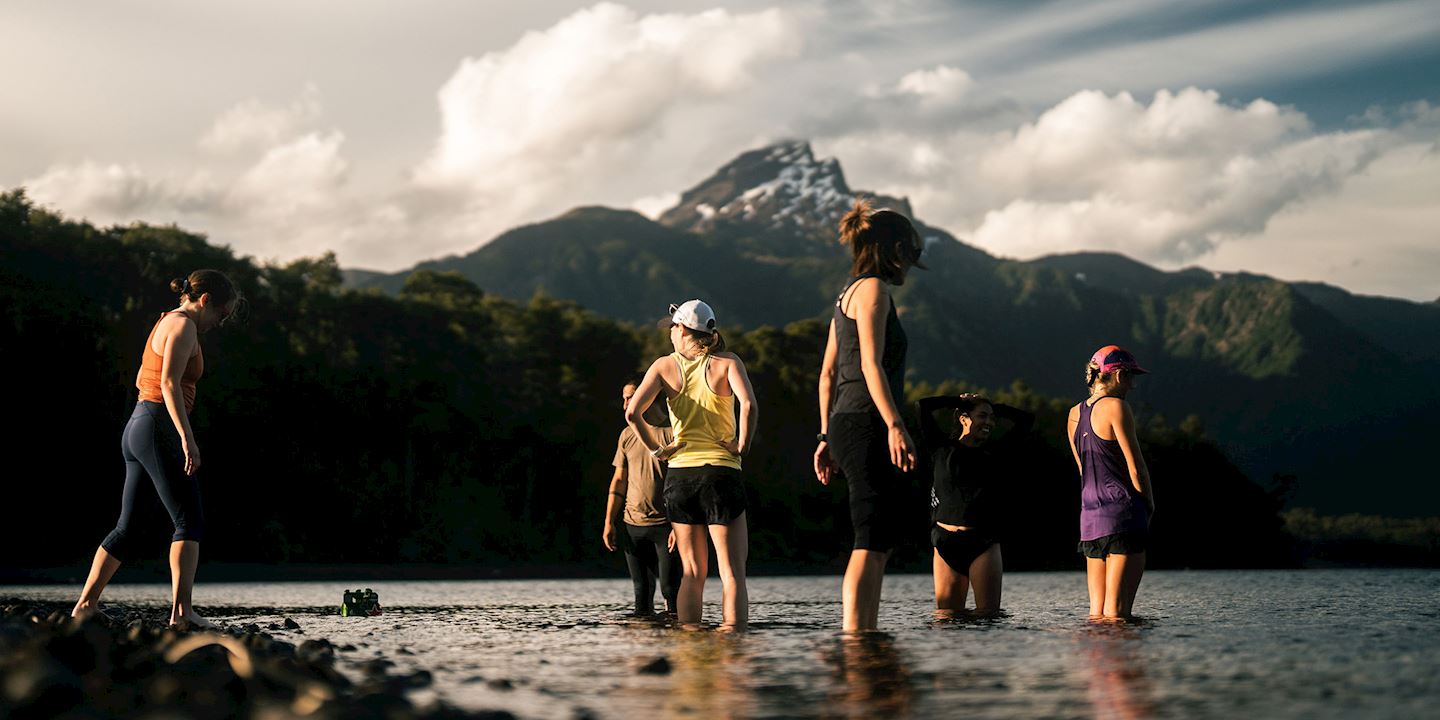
x=855, y=222
x=710, y=343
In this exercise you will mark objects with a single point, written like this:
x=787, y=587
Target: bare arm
x=1073, y=423
x=180, y=344
x=649, y=389
x=824, y=466
x=827, y=379
x=614, y=505
x=745, y=395
x=1130, y=446
x=872, y=305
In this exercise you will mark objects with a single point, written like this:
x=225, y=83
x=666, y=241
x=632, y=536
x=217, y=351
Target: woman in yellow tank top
x=704, y=495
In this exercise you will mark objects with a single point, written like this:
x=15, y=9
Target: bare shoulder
x=1111, y=409
x=729, y=358
x=177, y=323
x=1075, y=413
x=870, y=289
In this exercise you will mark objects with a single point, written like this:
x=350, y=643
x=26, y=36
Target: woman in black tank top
x=862, y=381
x=970, y=497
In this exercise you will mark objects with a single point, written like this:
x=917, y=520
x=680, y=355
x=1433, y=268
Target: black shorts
x=705, y=495
x=959, y=548
x=860, y=445
x=1125, y=543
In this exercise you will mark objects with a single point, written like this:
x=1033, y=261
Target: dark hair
x=882, y=242
x=205, y=281
x=710, y=343
x=968, y=402
x=633, y=379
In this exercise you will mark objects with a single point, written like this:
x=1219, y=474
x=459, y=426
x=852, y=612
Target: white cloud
x=591, y=104
x=1378, y=234
x=288, y=201
x=111, y=192
x=300, y=176
x=252, y=124
x=1165, y=182
x=941, y=84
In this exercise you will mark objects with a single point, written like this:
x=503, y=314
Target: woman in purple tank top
x=1116, y=500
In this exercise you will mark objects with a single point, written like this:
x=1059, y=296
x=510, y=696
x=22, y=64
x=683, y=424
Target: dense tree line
x=444, y=425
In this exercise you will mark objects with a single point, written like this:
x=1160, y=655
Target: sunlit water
x=1302, y=644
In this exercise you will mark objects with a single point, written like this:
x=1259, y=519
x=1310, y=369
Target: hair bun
x=856, y=221
x=178, y=285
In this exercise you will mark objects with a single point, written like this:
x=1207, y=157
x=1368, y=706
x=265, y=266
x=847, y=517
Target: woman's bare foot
x=87, y=609
x=192, y=621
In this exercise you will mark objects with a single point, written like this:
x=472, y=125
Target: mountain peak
x=781, y=186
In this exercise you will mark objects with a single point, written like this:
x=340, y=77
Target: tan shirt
x=645, y=498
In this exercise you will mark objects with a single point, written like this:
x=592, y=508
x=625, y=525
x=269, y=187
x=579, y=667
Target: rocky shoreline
x=127, y=663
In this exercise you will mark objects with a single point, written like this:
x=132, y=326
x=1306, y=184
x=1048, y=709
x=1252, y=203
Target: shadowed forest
x=443, y=425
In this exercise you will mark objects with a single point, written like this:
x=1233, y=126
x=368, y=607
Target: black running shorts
x=1125, y=543
x=705, y=495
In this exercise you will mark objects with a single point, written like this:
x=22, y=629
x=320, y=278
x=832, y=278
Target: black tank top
x=851, y=394
x=968, y=487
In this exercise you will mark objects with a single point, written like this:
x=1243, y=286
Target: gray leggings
x=154, y=458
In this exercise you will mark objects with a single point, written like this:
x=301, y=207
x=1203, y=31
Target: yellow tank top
x=701, y=419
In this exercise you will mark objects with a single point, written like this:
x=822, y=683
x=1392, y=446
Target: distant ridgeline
x=1304, y=379
x=446, y=424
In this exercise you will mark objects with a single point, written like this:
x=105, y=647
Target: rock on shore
x=54, y=666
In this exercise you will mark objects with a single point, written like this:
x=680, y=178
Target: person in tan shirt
x=635, y=511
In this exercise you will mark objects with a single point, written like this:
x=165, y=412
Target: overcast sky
x=1293, y=139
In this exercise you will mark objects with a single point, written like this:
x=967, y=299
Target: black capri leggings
x=860, y=445
x=154, y=458
x=650, y=560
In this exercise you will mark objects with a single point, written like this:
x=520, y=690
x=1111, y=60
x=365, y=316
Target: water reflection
x=710, y=678
x=871, y=678
x=1115, y=668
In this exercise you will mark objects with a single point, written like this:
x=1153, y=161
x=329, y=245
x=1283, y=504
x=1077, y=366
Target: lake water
x=1234, y=644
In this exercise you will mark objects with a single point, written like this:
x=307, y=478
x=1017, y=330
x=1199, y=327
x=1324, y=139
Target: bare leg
x=950, y=588
x=694, y=561
x=1095, y=581
x=732, y=546
x=102, y=568
x=1122, y=581
x=184, y=558
x=986, y=572
x=861, y=592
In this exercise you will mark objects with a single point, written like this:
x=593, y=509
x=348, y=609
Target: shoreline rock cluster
x=103, y=666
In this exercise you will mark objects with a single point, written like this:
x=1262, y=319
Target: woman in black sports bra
x=862, y=382
x=968, y=498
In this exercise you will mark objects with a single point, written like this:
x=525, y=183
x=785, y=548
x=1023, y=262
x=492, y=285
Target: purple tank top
x=1108, y=504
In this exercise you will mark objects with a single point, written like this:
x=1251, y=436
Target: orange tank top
x=152, y=364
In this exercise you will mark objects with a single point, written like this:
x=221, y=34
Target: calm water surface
x=1301, y=644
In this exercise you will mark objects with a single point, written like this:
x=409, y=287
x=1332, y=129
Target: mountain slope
x=1298, y=378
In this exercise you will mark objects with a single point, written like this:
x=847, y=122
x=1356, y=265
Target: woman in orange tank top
x=161, y=454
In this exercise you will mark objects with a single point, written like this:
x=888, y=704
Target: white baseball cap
x=693, y=314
